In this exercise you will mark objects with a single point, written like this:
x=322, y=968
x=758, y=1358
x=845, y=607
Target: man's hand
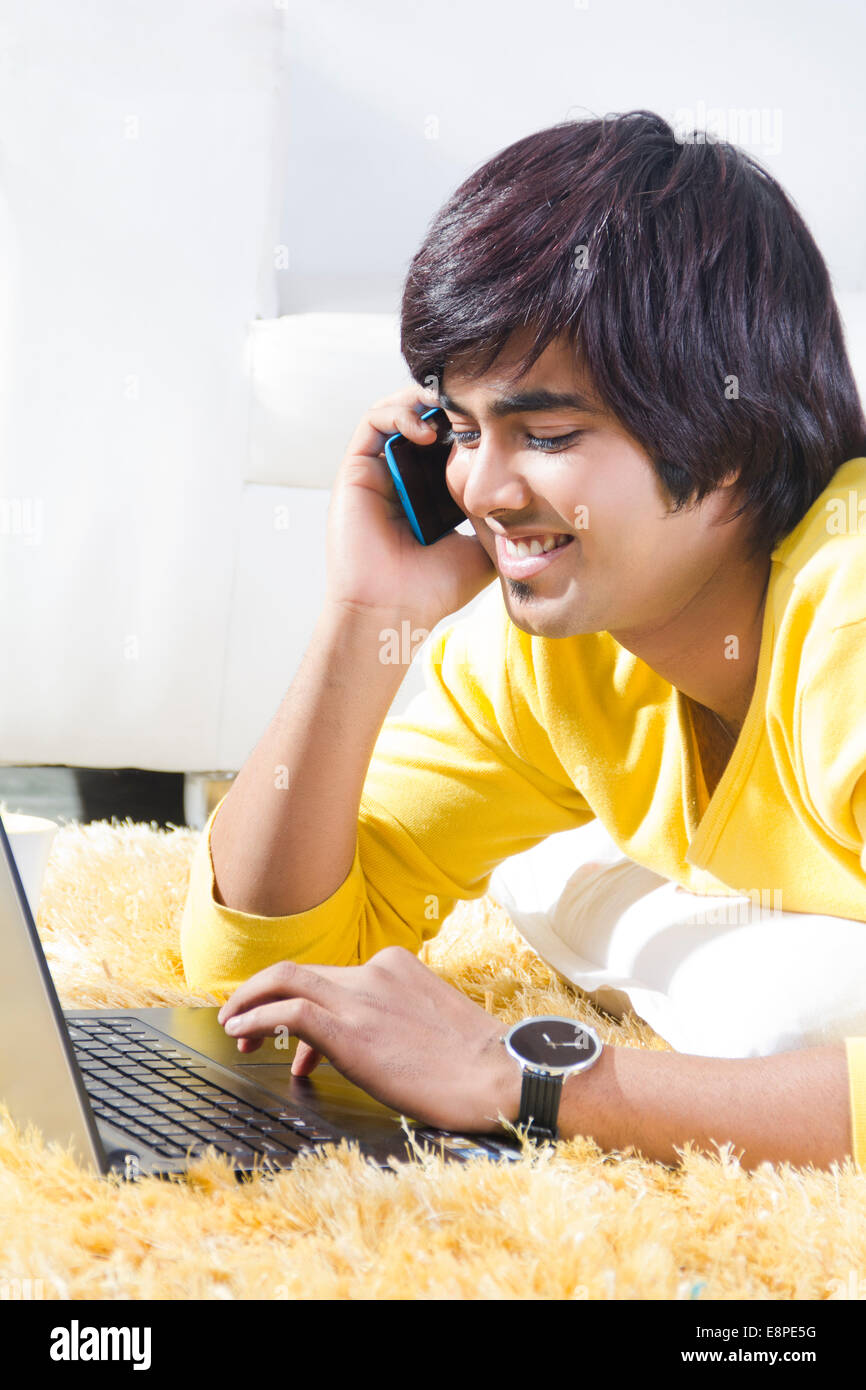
x=417, y=1044
x=393, y=1027
x=374, y=562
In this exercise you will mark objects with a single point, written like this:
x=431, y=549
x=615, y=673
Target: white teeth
x=536, y=546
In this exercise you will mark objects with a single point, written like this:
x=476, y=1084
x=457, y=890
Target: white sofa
x=199, y=299
x=167, y=439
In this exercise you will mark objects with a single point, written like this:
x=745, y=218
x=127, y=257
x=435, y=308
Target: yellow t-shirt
x=516, y=737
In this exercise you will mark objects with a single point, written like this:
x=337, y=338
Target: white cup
x=31, y=838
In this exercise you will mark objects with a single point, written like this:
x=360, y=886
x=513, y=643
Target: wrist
x=349, y=622
x=584, y=1102
x=349, y=615
x=503, y=1084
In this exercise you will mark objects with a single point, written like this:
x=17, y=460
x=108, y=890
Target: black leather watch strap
x=539, y=1101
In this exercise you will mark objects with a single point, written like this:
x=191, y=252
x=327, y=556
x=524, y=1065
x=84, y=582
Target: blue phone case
x=398, y=481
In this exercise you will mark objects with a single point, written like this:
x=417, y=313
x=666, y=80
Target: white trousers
x=714, y=976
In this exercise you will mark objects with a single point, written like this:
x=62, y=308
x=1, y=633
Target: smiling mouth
x=529, y=555
x=541, y=544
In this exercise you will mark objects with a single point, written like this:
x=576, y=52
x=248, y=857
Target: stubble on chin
x=520, y=592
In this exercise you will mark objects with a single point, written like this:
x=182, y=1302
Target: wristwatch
x=549, y=1049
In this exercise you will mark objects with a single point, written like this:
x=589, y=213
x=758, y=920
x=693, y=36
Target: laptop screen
x=39, y=1078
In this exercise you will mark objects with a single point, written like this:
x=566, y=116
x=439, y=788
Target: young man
x=655, y=424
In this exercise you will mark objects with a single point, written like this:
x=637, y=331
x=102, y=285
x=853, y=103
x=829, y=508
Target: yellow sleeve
x=448, y=795
x=856, y=1050
x=220, y=947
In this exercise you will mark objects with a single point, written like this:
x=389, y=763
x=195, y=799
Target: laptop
x=142, y=1091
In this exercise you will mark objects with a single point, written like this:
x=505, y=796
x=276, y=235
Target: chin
x=539, y=617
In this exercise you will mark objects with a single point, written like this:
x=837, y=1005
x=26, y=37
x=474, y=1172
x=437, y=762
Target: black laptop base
x=165, y=1085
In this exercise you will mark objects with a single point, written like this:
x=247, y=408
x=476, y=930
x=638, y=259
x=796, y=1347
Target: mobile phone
x=418, y=471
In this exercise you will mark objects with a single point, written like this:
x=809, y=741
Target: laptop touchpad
x=326, y=1088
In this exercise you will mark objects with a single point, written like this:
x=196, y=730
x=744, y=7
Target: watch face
x=554, y=1042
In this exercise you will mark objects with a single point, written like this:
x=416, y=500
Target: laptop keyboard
x=149, y=1088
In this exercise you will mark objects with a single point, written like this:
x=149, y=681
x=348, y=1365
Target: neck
x=710, y=649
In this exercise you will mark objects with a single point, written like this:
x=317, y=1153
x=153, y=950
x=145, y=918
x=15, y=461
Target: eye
x=464, y=438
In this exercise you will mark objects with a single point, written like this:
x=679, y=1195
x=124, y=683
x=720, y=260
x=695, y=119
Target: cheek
x=614, y=512
x=456, y=477
x=456, y=472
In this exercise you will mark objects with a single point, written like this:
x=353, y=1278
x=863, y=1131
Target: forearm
x=792, y=1107
x=284, y=838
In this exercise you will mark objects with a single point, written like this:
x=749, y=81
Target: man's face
x=572, y=475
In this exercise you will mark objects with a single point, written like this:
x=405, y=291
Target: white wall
x=371, y=83
x=139, y=163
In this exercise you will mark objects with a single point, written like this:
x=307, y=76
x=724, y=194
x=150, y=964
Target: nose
x=489, y=482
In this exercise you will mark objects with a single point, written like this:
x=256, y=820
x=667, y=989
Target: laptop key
x=242, y=1152
x=140, y=1131
x=201, y=1107
x=248, y=1136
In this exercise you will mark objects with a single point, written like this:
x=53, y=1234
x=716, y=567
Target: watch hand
x=550, y=1043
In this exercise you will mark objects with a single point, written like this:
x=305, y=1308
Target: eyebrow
x=527, y=402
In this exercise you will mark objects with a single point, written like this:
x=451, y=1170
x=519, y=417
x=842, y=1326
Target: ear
x=731, y=478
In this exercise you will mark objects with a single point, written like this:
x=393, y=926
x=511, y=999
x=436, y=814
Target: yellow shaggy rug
x=562, y=1223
